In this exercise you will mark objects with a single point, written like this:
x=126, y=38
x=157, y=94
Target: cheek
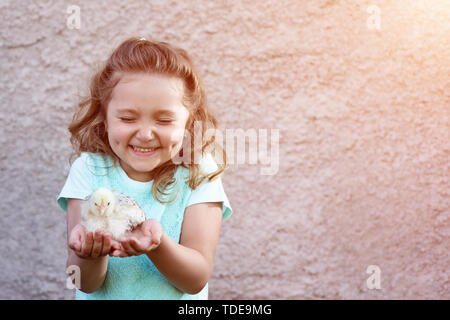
x=172, y=138
x=118, y=136
x=177, y=135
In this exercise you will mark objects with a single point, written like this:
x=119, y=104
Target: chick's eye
x=109, y=203
x=96, y=204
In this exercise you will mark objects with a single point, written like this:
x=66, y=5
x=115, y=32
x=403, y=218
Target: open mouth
x=143, y=151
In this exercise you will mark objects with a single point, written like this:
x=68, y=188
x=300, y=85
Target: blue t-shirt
x=136, y=277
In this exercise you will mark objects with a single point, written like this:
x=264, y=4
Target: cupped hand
x=141, y=240
x=91, y=245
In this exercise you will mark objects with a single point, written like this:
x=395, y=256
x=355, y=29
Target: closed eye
x=127, y=119
x=165, y=121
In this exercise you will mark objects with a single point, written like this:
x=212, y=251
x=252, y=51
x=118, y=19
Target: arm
x=188, y=265
x=90, y=249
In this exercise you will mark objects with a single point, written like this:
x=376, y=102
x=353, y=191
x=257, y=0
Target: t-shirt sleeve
x=211, y=191
x=78, y=183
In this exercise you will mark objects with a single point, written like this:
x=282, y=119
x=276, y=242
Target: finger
x=81, y=238
x=127, y=247
x=147, y=227
x=107, y=242
x=156, y=236
x=115, y=245
x=136, y=245
x=75, y=240
x=97, y=246
x=119, y=253
x=123, y=254
x=153, y=245
x=86, y=247
x=155, y=228
x=74, y=244
x=156, y=233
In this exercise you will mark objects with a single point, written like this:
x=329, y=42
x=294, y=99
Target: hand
x=144, y=238
x=90, y=245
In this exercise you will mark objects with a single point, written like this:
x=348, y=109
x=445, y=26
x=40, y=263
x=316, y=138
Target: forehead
x=153, y=92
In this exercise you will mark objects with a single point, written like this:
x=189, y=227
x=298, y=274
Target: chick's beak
x=102, y=209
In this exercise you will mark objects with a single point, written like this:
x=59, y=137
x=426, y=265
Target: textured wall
x=363, y=115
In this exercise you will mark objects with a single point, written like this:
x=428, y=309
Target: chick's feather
x=112, y=212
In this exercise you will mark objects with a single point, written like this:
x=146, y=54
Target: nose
x=145, y=133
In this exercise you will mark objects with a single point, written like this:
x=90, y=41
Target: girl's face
x=145, y=122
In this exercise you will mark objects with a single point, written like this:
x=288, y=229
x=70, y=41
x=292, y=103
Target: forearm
x=186, y=268
x=92, y=271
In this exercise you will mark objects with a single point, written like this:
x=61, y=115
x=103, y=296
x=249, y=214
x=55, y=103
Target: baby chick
x=112, y=212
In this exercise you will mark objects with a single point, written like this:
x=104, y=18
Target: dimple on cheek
x=115, y=143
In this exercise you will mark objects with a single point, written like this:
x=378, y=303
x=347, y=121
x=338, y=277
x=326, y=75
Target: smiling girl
x=142, y=105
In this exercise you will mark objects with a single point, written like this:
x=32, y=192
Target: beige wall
x=363, y=116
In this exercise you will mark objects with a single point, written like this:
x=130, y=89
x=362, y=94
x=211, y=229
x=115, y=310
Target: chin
x=142, y=168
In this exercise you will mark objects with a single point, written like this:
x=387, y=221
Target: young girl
x=138, y=120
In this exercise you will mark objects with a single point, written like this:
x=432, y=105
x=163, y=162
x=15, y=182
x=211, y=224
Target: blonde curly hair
x=87, y=129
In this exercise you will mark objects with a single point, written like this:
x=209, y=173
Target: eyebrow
x=158, y=112
x=126, y=110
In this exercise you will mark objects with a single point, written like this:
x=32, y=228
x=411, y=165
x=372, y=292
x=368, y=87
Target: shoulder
x=208, y=191
x=96, y=159
x=93, y=163
x=80, y=163
x=207, y=165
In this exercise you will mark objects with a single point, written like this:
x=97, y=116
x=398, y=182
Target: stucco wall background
x=363, y=116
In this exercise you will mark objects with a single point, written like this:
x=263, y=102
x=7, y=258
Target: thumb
x=156, y=234
x=73, y=240
x=76, y=238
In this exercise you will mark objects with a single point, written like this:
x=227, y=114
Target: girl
x=135, y=134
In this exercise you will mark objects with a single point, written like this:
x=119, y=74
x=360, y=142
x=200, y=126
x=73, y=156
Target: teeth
x=142, y=150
